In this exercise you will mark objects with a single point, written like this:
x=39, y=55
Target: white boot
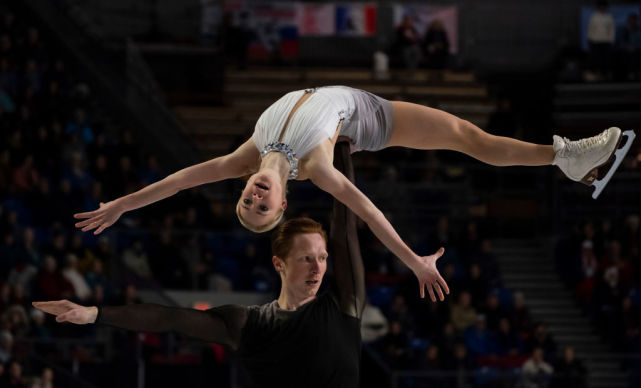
x=580, y=160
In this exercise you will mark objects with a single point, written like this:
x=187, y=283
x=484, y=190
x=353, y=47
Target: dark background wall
x=498, y=34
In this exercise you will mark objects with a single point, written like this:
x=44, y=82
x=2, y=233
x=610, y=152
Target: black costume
x=317, y=345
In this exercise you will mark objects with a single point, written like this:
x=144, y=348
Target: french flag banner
x=356, y=19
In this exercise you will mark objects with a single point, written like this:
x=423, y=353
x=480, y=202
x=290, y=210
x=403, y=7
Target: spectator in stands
x=395, y=346
x=6, y=346
x=609, y=294
x=50, y=284
x=15, y=320
x=431, y=362
x=541, y=339
x=463, y=365
x=463, y=314
x=478, y=340
x=408, y=41
x=569, y=372
x=136, y=260
x=81, y=289
x=477, y=285
x=493, y=311
x=436, y=45
x=536, y=372
x=507, y=342
x=38, y=328
x=45, y=380
x=79, y=125
x=447, y=340
x=13, y=378
x=25, y=176
x=57, y=248
x=631, y=45
x=601, y=36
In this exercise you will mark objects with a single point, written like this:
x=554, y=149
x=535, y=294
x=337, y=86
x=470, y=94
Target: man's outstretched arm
x=221, y=325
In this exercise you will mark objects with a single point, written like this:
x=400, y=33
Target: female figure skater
x=298, y=340
x=294, y=139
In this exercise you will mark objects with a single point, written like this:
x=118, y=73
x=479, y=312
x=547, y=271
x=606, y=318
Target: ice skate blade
x=619, y=154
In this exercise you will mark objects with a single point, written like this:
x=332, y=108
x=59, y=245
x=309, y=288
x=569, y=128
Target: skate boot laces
x=581, y=146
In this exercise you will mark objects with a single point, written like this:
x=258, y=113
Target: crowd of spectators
x=483, y=333
x=598, y=260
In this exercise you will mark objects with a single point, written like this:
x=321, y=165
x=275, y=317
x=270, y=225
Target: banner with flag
x=315, y=19
x=356, y=19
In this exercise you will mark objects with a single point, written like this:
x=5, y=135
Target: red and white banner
x=315, y=19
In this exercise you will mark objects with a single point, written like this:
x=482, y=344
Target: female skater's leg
x=421, y=127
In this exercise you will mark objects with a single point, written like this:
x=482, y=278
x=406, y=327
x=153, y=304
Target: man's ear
x=279, y=265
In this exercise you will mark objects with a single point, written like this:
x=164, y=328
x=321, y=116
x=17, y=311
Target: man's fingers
x=421, y=288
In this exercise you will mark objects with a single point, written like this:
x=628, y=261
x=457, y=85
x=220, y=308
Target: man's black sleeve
x=345, y=250
x=221, y=325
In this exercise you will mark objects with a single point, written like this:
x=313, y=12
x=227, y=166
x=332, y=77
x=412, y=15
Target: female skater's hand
x=104, y=217
x=66, y=311
x=428, y=276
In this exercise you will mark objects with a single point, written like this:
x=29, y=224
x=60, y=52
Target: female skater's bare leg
x=421, y=127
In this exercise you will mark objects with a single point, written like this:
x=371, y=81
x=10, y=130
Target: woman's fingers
x=85, y=222
x=421, y=288
x=102, y=227
x=436, y=286
x=93, y=225
x=86, y=214
x=429, y=289
x=443, y=285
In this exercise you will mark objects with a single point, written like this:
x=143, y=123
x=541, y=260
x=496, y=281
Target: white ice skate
x=580, y=160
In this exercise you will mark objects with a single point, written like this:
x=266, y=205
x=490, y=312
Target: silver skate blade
x=619, y=154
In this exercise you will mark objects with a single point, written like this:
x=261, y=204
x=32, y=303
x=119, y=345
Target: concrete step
x=535, y=302
x=552, y=310
x=571, y=329
x=535, y=285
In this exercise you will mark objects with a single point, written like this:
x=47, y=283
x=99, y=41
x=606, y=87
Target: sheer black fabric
x=221, y=325
x=345, y=251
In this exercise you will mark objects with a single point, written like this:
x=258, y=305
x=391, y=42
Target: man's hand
x=66, y=311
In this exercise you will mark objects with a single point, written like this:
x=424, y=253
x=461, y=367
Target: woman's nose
x=257, y=195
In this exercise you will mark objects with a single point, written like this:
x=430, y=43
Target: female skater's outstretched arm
x=331, y=180
x=240, y=162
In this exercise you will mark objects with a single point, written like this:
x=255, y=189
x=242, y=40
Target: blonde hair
x=259, y=229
